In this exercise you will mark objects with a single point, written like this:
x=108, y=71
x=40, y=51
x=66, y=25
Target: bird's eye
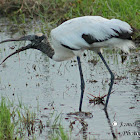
x=36, y=37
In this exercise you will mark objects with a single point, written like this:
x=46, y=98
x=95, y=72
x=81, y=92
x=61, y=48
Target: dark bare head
x=38, y=41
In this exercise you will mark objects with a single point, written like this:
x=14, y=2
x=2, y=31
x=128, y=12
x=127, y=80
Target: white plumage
x=104, y=31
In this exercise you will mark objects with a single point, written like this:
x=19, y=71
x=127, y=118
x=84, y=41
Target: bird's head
x=38, y=41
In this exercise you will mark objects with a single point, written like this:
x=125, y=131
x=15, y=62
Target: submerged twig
x=97, y=100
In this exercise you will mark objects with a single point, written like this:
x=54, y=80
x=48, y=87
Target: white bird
x=74, y=36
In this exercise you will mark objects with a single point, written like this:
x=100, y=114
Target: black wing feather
x=122, y=35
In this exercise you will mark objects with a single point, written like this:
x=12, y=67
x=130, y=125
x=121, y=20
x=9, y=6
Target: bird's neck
x=46, y=48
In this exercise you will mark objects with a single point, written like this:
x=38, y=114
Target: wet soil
x=54, y=87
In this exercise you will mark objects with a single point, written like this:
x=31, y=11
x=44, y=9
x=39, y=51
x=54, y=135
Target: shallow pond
x=54, y=87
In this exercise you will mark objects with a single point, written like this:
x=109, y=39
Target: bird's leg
x=112, y=79
x=82, y=83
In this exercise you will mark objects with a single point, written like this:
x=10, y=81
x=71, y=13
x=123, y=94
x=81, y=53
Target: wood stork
x=74, y=36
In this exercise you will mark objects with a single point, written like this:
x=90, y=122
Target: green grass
x=6, y=126
x=61, y=134
x=18, y=122
x=127, y=10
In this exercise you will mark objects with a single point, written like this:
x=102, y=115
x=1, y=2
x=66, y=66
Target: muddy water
x=54, y=87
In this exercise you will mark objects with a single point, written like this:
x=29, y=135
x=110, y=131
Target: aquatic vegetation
x=18, y=122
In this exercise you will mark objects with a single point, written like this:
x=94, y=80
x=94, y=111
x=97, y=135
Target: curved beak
x=35, y=40
x=17, y=51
